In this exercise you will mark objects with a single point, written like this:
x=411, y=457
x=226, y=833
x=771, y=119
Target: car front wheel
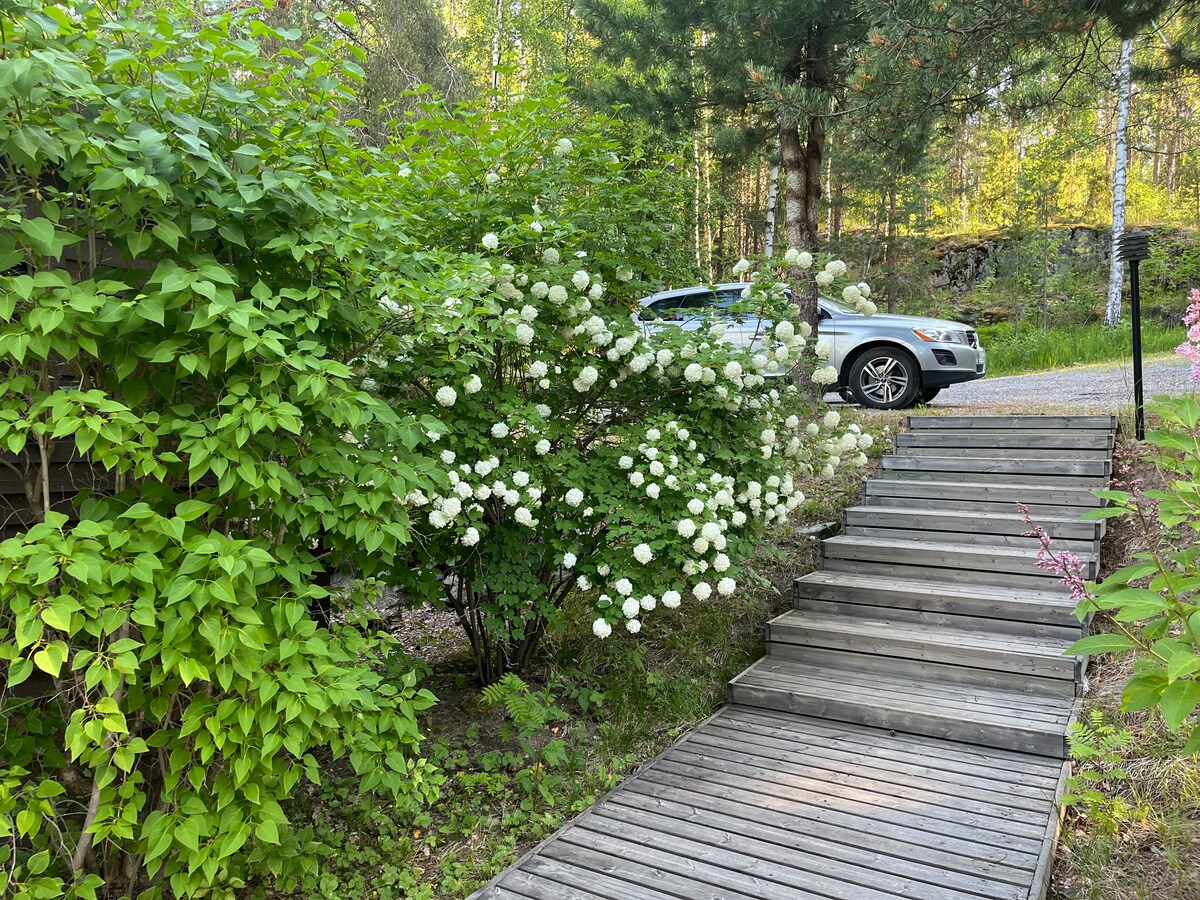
x=883, y=378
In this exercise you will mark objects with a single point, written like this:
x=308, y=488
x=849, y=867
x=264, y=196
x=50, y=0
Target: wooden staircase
x=934, y=619
x=904, y=736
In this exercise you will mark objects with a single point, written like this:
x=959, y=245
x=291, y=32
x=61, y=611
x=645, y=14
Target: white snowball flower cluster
x=741, y=267
x=490, y=241
x=585, y=379
x=446, y=395
x=800, y=259
x=563, y=147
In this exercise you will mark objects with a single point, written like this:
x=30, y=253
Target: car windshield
x=839, y=306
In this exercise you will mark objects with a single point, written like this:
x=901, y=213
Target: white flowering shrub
x=580, y=452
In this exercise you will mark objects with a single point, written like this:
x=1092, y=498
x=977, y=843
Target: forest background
x=960, y=180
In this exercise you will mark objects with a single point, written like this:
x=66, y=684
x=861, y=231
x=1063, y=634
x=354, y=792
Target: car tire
x=885, y=378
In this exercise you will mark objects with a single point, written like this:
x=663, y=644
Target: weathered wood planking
x=1101, y=454
x=986, y=465
x=1106, y=424
x=755, y=805
x=963, y=521
x=1063, y=499
x=904, y=736
x=1019, y=561
x=992, y=602
x=964, y=644
x=1007, y=439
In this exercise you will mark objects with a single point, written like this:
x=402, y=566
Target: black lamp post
x=1132, y=247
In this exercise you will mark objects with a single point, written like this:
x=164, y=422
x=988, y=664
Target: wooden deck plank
x=1055, y=496
x=804, y=853
x=595, y=873
x=904, y=737
x=839, y=827
x=861, y=795
x=958, y=756
x=729, y=874
x=1002, y=703
x=987, y=602
x=1038, y=423
x=647, y=879
x=1006, y=438
x=852, y=757
x=1040, y=451
x=758, y=759
x=989, y=523
x=996, y=706
x=727, y=859
x=1033, y=470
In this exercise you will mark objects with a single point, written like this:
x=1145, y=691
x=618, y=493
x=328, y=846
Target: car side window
x=727, y=299
x=689, y=305
x=660, y=309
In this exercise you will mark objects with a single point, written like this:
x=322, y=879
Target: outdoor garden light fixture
x=1132, y=247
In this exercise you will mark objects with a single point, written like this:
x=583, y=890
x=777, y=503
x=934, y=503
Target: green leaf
x=267, y=832
x=1178, y=701
x=1143, y=691
x=50, y=658
x=1181, y=664
x=41, y=235
x=1099, y=643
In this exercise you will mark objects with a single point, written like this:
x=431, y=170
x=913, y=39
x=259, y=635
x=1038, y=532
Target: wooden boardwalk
x=904, y=736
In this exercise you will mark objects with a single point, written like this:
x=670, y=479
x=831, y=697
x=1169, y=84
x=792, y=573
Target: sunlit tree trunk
x=890, y=256
x=1112, y=309
x=801, y=161
x=772, y=206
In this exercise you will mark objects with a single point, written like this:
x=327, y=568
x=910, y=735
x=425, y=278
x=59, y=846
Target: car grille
x=973, y=339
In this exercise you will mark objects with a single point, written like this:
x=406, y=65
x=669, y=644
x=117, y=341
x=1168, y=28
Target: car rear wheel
x=883, y=378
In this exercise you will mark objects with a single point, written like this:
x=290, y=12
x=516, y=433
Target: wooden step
x=887, y=668
x=1037, y=423
x=1099, y=455
x=1072, y=497
x=954, y=505
x=1000, y=563
x=1006, y=438
x=1005, y=719
x=983, y=523
x=1019, y=609
x=981, y=539
x=1029, y=470
x=968, y=643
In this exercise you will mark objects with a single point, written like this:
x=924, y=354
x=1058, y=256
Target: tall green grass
x=1035, y=350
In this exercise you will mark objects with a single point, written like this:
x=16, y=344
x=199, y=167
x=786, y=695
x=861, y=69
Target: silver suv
x=883, y=361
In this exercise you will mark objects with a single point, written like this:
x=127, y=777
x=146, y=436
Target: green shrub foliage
x=192, y=251
x=584, y=449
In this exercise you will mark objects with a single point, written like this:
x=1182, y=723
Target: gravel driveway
x=1100, y=388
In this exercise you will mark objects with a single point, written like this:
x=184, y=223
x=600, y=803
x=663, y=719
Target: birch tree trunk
x=772, y=205
x=1112, y=308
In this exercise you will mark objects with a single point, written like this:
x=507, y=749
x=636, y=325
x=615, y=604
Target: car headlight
x=941, y=335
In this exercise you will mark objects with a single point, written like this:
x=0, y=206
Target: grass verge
x=1035, y=350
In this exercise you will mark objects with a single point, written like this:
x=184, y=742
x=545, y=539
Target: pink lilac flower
x=1190, y=350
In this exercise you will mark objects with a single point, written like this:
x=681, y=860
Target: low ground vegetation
x=1132, y=827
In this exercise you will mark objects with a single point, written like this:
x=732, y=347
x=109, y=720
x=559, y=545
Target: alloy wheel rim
x=884, y=379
